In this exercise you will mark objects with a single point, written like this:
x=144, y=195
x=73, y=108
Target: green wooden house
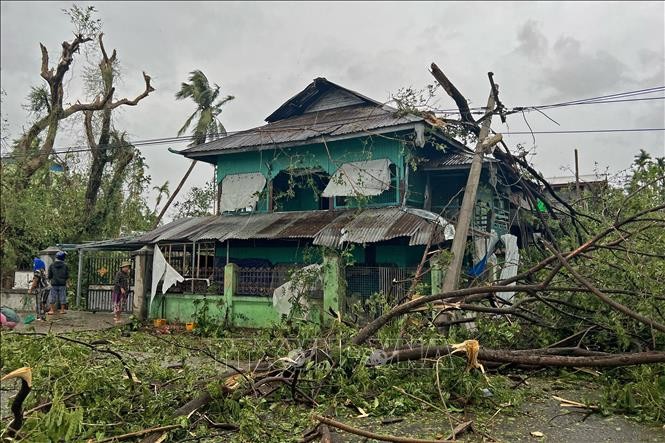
x=331, y=170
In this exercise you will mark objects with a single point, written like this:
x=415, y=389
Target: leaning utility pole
x=484, y=145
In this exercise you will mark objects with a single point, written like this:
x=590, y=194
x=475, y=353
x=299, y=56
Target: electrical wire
x=609, y=98
x=585, y=131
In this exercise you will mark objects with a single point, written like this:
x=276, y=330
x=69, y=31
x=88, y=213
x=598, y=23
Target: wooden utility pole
x=577, y=176
x=451, y=279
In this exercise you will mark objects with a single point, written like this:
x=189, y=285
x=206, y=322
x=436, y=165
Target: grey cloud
x=573, y=72
x=532, y=42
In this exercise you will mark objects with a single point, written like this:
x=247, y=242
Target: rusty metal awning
x=325, y=228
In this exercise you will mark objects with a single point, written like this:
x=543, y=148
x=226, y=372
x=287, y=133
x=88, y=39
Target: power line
x=609, y=98
x=585, y=131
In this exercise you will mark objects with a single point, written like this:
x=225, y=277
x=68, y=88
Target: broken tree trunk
x=175, y=193
x=454, y=93
x=532, y=357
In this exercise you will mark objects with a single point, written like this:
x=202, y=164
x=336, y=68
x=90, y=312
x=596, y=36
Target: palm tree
x=207, y=125
x=161, y=191
x=199, y=90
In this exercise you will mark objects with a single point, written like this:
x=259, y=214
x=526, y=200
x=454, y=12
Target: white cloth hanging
x=366, y=178
x=283, y=296
x=510, y=265
x=241, y=191
x=162, y=270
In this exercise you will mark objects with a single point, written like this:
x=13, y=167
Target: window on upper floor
x=364, y=183
x=241, y=192
x=299, y=190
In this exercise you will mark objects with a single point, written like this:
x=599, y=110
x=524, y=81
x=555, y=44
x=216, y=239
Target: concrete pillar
x=334, y=285
x=142, y=282
x=230, y=288
x=438, y=273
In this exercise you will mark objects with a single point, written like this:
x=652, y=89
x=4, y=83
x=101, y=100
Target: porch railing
x=261, y=282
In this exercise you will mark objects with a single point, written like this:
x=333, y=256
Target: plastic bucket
x=190, y=326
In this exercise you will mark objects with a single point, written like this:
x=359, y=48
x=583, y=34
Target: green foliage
x=48, y=210
x=207, y=110
x=198, y=202
x=208, y=324
x=91, y=395
x=637, y=391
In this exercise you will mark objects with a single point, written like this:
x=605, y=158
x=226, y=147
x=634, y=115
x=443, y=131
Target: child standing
x=40, y=287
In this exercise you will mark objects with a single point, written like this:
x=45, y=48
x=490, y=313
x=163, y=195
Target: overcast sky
x=264, y=53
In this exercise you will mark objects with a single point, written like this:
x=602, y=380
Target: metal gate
x=98, y=273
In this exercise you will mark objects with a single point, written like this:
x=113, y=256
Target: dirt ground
x=71, y=321
x=540, y=413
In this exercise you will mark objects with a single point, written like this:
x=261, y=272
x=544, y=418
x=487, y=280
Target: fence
x=261, y=282
x=394, y=282
x=99, y=272
x=99, y=299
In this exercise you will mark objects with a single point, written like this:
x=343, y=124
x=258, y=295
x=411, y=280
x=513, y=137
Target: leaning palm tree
x=208, y=108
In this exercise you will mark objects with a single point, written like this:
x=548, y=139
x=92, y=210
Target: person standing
x=40, y=287
x=120, y=289
x=58, y=273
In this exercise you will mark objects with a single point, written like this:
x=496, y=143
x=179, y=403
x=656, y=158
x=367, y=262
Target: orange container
x=190, y=326
x=159, y=322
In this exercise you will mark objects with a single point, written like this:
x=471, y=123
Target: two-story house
x=332, y=168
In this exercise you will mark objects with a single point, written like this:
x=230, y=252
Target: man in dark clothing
x=58, y=273
x=120, y=289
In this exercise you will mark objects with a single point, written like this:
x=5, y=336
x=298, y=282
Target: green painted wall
x=326, y=157
x=253, y=312
x=278, y=253
x=400, y=255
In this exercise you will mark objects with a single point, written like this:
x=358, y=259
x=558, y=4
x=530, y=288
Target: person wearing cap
x=120, y=289
x=40, y=287
x=58, y=273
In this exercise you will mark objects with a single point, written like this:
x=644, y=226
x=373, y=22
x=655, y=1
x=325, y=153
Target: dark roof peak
x=321, y=94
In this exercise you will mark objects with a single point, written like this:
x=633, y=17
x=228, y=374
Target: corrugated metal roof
x=301, y=128
x=584, y=178
x=326, y=228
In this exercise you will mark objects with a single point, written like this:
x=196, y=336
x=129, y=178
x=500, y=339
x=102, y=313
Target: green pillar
x=334, y=285
x=438, y=271
x=230, y=287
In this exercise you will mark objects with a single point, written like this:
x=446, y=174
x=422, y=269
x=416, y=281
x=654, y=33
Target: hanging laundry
x=511, y=263
x=483, y=253
x=162, y=271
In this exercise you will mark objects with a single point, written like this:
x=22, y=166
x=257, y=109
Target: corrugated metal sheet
x=453, y=160
x=331, y=123
x=376, y=225
x=326, y=228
